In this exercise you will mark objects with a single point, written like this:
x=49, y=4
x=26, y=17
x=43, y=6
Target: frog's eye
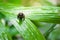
x=20, y=16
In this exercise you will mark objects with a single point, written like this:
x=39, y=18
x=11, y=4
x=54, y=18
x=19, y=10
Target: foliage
x=38, y=24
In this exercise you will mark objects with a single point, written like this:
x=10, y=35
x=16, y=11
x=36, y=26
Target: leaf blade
x=28, y=30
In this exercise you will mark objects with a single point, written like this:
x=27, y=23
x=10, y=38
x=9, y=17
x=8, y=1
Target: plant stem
x=49, y=31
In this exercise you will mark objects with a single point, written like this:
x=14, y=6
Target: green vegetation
x=40, y=22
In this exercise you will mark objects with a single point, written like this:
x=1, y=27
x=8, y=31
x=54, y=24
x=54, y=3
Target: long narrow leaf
x=44, y=14
x=28, y=30
x=4, y=35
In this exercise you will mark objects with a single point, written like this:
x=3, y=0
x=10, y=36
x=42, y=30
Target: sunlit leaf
x=4, y=35
x=28, y=30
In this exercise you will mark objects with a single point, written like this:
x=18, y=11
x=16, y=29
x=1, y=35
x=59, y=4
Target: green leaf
x=13, y=31
x=4, y=35
x=8, y=16
x=44, y=13
x=55, y=34
x=28, y=30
